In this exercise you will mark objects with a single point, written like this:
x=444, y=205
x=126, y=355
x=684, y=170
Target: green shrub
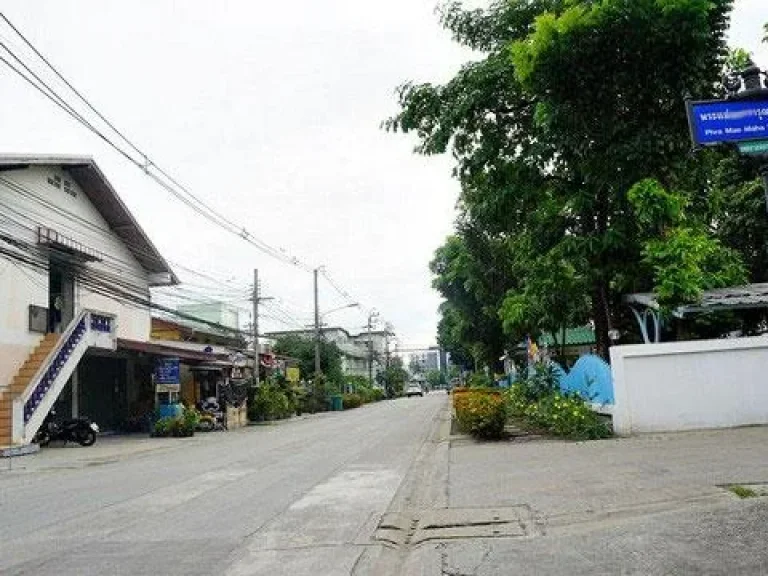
x=376, y=395
x=352, y=401
x=539, y=382
x=564, y=415
x=479, y=380
x=481, y=413
x=369, y=394
x=188, y=422
x=355, y=384
x=163, y=427
x=270, y=402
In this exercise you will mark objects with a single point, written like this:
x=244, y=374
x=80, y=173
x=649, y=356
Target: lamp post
x=318, y=329
x=371, y=315
x=751, y=83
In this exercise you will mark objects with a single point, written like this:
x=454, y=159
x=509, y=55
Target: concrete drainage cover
x=402, y=529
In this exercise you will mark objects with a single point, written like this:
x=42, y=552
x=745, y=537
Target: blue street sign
x=167, y=371
x=715, y=122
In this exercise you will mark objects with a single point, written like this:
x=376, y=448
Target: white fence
x=690, y=385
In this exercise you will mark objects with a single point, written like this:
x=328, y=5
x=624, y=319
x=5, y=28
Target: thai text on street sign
x=715, y=122
x=754, y=147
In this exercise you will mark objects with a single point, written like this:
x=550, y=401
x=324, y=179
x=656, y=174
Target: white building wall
x=690, y=385
x=19, y=287
x=27, y=201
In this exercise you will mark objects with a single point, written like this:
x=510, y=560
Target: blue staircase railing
x=100, y=323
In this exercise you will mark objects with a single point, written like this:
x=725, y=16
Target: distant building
x=355, y=352
x=216, y=312
x=428, y=361
x=431, y=360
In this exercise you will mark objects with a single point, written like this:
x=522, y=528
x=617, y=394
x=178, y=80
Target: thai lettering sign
x=167, y=371
x=754, y=147
x=715, y=122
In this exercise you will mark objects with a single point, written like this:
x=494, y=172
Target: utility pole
x=371, y=315
x=370, y=353
x=317, y=327
x=256, y=346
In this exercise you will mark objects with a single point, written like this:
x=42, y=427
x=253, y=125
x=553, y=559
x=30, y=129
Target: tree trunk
x=562, y=346
x=602, y=318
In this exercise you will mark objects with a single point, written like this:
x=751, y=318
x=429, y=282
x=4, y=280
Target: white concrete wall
x=690, y=385
x=27, y=201
x=19, y=287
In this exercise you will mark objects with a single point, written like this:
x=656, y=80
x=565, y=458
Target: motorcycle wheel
x=42, y=439
x=206, y=425
x=86, y=437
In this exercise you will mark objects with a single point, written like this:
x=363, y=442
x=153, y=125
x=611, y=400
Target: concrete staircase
x=31, y=395
x=20, y=383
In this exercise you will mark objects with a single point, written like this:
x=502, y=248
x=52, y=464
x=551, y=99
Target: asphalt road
x=300, y=497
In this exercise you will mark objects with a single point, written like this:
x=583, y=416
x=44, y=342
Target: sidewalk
x=645, y=505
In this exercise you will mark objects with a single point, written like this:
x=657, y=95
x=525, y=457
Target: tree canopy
x=303, y=349
x=570, y=106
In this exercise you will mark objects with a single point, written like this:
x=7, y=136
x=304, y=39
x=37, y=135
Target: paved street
x=300, y=497
x=386, y=490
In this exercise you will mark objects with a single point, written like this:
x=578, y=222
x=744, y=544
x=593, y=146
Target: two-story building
x=75, y=276
x=359, y=352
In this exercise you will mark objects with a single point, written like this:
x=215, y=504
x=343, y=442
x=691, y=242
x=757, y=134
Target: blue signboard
x=167, y=371
x=722, y=121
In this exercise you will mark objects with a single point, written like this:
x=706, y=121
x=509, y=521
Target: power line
x=99, y=232
x=161, y=176
x=147, y=165
x=104, y=284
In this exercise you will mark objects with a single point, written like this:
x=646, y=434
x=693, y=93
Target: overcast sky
x=269, y=111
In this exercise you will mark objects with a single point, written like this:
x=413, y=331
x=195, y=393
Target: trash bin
x=337, y=403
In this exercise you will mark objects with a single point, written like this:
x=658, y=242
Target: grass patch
x=742, y=491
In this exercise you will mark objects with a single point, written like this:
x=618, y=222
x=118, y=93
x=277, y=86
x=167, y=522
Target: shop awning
x=170, y=348
x=210, y=367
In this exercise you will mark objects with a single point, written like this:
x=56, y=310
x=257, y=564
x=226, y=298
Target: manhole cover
x=455, y=523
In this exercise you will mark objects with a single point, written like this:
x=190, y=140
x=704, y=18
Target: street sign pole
x=741, y=120
x=764, y=174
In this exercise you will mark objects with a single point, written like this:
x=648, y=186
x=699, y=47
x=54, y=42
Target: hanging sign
x=293, y=374
x=167, y=371
x=714, y=122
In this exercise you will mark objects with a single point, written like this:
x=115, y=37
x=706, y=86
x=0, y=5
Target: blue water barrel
x=171, y=410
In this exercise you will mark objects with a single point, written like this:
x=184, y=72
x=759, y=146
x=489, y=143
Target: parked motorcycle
x=80, y=430
x=211, y=416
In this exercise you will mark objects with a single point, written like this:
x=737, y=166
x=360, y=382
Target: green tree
x=472, y=271
x=552, y=297
x=681, y=256
x=436, y=379
x=414, y=365
x=303, y=349
x=393, y=378
x=573, y=103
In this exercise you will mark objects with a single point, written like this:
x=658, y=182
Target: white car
x=414, y=390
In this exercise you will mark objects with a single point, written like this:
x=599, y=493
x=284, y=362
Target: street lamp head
x=352, y=305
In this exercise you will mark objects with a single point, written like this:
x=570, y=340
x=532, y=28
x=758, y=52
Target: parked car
x=414, y=390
